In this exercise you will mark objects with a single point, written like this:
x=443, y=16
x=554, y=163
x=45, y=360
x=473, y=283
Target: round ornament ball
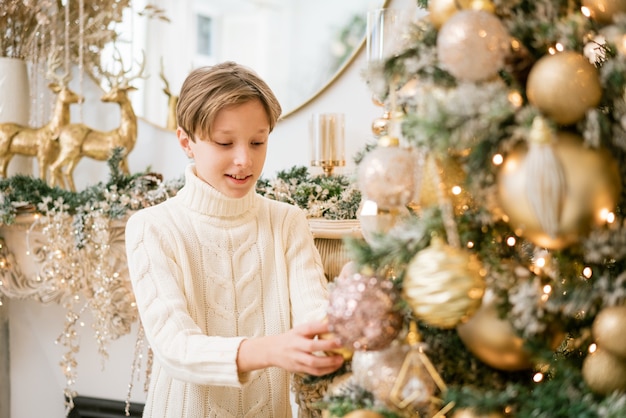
x=493, y=340
x=473, y=45
x=564, y=86
x=378, y=372
x=603, y=11
x=363, y=312
x=386, y=176
x=609, y=330
x=604, y=373
x=443, y=285
x=593, y=187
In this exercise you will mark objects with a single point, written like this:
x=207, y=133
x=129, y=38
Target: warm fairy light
x=606, y=215
x=510, y=241
x=540, y=262
x=592, y=348
x=559, y=47
x=551, y=50
x=456, y=190
x=470, y=244
x=547, y=289
x=587, y=272
x=585, y=11
x=515, y=98
x=497, y=159
x=538, y=377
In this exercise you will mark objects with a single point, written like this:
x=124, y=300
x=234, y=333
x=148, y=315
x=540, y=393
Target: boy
x=229, y=285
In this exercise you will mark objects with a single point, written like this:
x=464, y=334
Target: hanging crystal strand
x=81, y=56
x=67, y=36
x=136, y=366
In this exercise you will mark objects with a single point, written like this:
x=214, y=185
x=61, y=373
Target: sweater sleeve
x=178, y=343
x=307, y=283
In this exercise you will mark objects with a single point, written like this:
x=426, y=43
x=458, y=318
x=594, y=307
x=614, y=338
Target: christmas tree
x=491, y=280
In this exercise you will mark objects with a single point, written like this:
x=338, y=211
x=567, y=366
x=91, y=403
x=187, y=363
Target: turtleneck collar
x=202, y=197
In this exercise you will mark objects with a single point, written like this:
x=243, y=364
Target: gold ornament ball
x=493, y=340
x=380, y=126
x=609, y=330
x=473, y=45
x=604, y=372
x=386, y=176
x=593, y=187
x=439, y=11
x=363, y=413
x=443, y=285
x=470, y=413
x=564, y=86
x=603, y=11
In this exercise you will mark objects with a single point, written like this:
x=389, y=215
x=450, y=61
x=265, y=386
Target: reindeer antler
x=123, y=76
x=53, y=64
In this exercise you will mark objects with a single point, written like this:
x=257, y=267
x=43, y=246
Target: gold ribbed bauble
x=470, y=413
x=592, y=182
x=564, y=86
x=443, y=285
x=604, y=373
x=472, y=45
x=603, y=11
x=452, y=184
x=493, y=340
x=609, y=330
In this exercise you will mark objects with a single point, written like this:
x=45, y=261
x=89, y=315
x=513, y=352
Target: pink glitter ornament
x=363, y=312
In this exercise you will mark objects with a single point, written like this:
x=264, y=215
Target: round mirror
x=297, y=46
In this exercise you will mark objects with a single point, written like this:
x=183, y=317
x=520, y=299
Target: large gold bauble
x=604, y=372
x=603, y=11
x=609, y=330
x=593, y=188
x=443, y=285
x=564, y=86
x=493, y=340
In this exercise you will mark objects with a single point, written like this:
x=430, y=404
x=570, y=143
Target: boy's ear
x=184, y=141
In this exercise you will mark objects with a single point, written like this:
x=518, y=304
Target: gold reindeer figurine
x=39, y=142
x=78, y=140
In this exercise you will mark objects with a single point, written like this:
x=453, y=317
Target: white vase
x=15, y=104
x=14, y=91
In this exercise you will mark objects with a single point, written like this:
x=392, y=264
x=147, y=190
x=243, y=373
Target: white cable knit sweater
x=208, y=271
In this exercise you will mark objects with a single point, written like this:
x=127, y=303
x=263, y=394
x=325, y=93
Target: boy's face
x=232, y=159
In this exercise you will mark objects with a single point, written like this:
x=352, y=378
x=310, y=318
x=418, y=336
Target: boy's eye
x=258, y=143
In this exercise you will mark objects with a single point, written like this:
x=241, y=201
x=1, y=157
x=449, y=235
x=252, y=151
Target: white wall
x=36, y=379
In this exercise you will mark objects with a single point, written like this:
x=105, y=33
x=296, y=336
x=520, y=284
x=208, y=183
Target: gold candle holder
x=327, y=135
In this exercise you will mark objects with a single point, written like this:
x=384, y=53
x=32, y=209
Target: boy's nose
x=242, y=156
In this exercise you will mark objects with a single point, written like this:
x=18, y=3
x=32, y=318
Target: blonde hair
x=207, y=90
